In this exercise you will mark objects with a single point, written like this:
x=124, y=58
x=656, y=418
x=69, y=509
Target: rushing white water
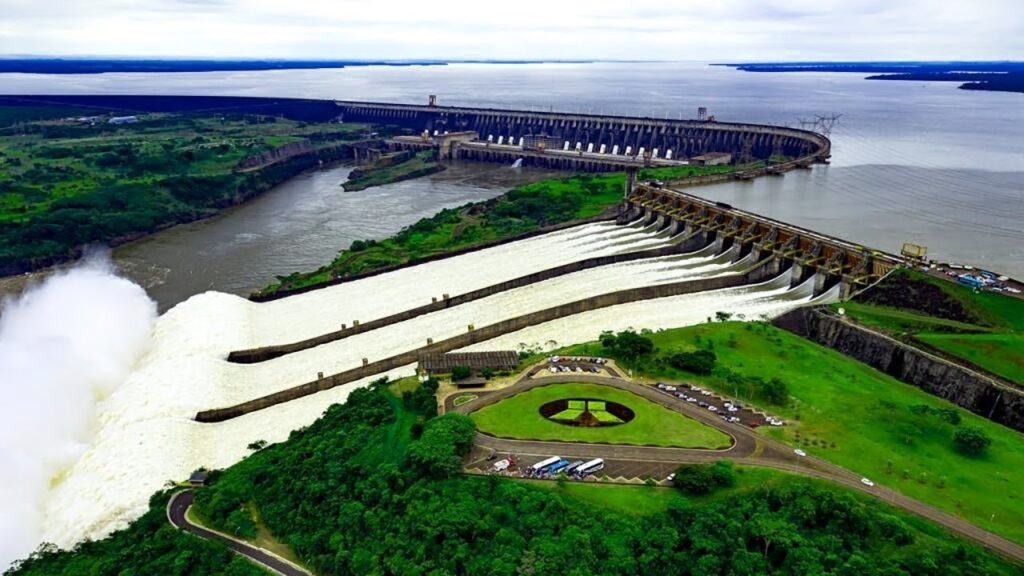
x=307, y=315
x=146, y=436
x=64, y=345
x=750, y=302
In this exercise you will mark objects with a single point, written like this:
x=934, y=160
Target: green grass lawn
x=898, y=320
x=1002, y=354
x=603, y=416
x=655, y=425
x=984, y=328
x=872, y=419
x=568, y=415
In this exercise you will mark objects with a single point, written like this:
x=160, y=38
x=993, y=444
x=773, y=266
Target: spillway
x=313, y=313
x=145, y=432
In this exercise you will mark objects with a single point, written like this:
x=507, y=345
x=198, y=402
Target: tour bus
x=558, y=466
x=592, y=467
x=545, y=463
x=572, y=467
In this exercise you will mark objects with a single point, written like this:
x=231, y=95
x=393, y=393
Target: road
x=748, y=448
x=177, y=508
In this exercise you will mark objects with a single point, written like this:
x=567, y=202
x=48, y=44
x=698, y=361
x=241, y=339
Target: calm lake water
x=921, y=162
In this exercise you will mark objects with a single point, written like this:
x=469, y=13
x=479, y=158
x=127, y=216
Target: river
x=912, y=161
x=297, y=226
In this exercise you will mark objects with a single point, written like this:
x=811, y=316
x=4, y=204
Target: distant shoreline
x=156, y=65
x=982, y=76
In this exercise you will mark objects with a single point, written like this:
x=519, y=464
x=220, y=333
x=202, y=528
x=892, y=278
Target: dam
x=589, y=142
x=223, y=372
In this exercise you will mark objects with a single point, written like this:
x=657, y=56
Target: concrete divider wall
x=268, y=352
x=611, y=214
x=966, y=388
x=479, y=335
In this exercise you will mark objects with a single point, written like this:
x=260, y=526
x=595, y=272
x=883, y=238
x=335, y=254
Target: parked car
x=866, y=482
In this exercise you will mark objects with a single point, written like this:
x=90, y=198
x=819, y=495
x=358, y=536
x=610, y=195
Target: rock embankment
x=971, y=390
x=276, y=155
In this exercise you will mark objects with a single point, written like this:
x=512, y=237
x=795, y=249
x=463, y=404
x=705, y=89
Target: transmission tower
x=825, y=124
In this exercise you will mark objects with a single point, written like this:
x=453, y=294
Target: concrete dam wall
x=685, y=138
x=965, y=388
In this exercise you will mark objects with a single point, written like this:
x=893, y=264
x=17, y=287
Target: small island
x=394, y=167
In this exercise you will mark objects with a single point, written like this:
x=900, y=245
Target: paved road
x=178, y=506
x=748, y=448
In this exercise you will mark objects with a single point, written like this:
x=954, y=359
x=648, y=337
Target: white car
x=866, y=482
x=712, y=408
x=799, y=452
x=692, y=400
x=671, y=388
x=671, y=477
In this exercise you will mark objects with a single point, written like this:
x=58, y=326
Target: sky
x=703, y=30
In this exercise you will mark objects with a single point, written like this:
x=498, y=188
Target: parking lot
x=726, y=408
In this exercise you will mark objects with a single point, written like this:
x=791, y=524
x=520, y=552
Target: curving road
x=177, y=509
x=749, y=448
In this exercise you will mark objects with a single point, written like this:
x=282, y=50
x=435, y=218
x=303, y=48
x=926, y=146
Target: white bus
x=544, y=463
x=592, y=467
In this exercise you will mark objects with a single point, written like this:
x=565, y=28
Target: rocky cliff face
x=276, y=155
x=975, y=392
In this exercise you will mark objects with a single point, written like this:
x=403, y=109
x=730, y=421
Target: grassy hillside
x=848, y=413
x=520, y=210
x=984, y=328
x=65, y=183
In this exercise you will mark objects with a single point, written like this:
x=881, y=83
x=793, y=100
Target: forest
x=374, y=487
x=69, y=182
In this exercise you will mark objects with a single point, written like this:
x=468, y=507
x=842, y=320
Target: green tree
x=627, y=345
x=775, y=391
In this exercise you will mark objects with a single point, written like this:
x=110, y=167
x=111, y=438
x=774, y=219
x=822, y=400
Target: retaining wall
x=968, y=389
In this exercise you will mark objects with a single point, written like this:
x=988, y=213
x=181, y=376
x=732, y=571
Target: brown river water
x=297, y=226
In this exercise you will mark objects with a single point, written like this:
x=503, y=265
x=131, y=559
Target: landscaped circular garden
x=586, y=412
x=555, y=412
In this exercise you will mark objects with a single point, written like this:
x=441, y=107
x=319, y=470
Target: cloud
x=540, y=29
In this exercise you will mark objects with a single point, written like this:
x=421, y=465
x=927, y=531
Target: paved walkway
x=749, y=448
x=177, y=509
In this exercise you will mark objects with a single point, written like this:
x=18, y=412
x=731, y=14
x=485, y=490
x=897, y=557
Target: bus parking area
x=545, y=467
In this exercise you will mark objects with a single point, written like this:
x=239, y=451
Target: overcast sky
x=718, y=30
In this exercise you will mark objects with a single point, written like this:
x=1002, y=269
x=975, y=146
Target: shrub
x=971, y=441
x=461, y=372
x=698, y=362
